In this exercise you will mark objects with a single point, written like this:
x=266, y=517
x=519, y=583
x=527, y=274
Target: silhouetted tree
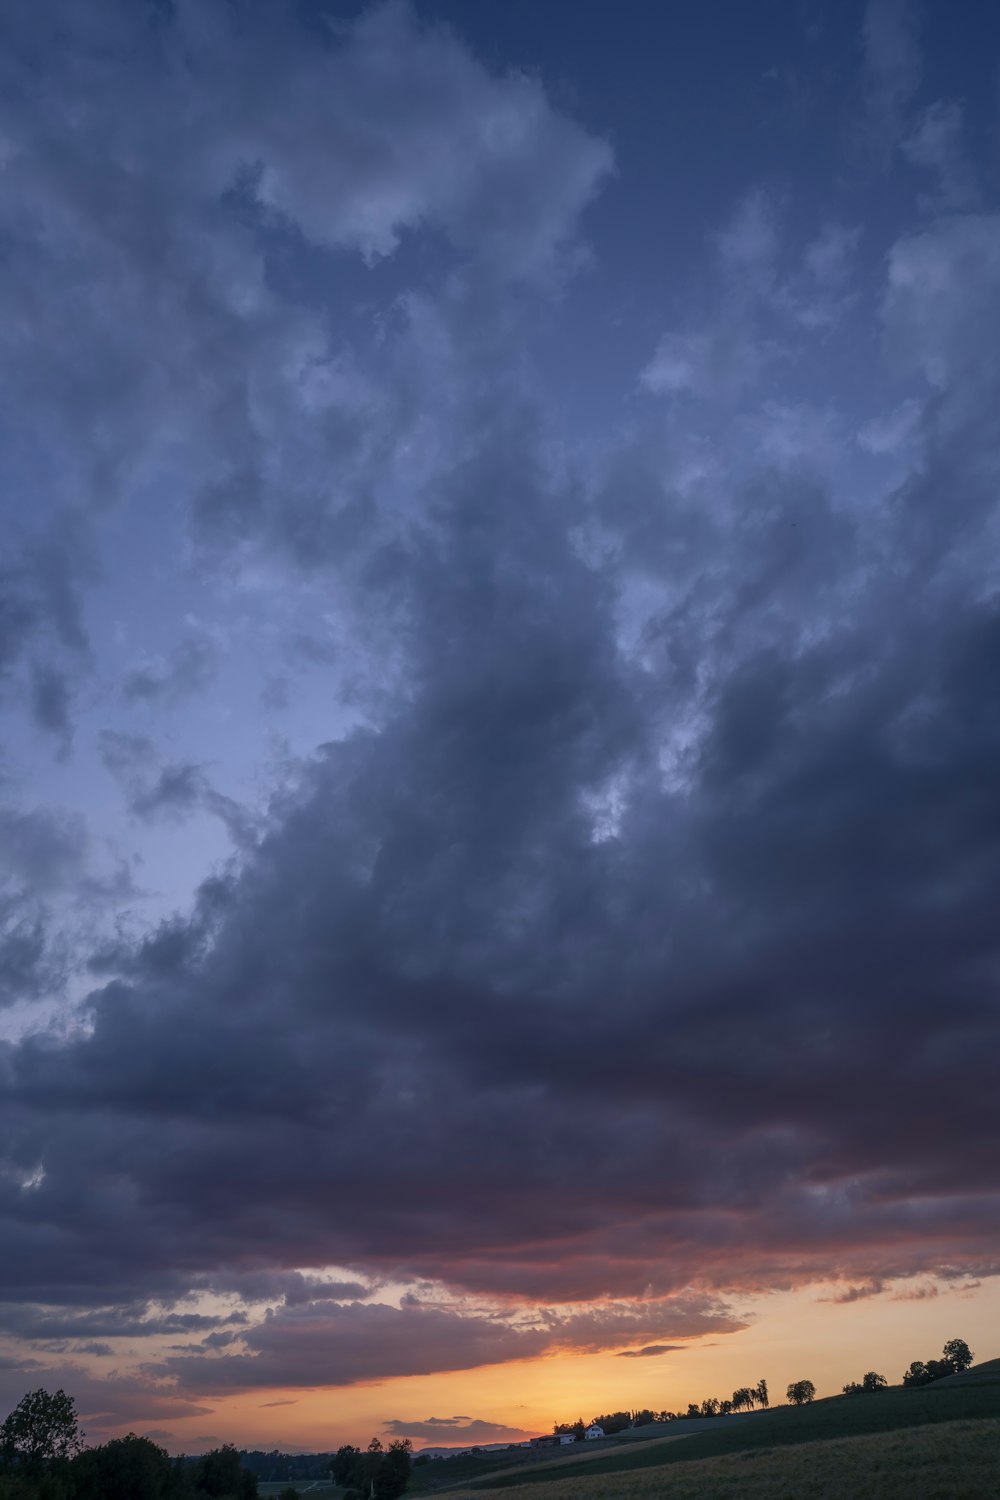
x=761, y=1393
x=873, y=1381
x=800, y=1392
x=344, y=1466
x=129, y=1468
x=41, y=1429
x=958, y=1354
x=220, y=1473
x=394, y=1471
x=852, y=1388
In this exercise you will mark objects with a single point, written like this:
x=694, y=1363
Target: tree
x=873, y=1381
x=221, y=1474
x=130, y=1468
x=42, y=1428
x=725, y=1408
x=612, y=1421
x=916, y=1374
x=394, y=1472
x=762, y=1395
x=800, y=1392
x=344, y=1466
x=710, y=1407
x=852, y=1388
x=958, y=1354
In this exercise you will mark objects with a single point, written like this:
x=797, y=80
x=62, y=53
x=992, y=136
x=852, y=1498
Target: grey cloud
x=158, y=789
x=377, y=129
x=52, y=880
x=320, y=1344
x=649, y=1352
x=859, y=1292
x=50, y=702
x=132, y=1321
x=42, y=615
x=46, y=848
x=24, y=974
x=188, y=670
x=453, y=1431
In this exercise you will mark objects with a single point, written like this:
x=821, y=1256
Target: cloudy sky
x=500, y=670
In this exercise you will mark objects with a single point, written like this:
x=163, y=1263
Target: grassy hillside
x=973, y=1396
x=940, y=1461
x=988, y=1373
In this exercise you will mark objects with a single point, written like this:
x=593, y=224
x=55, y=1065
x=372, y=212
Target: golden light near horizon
x=790, y=1335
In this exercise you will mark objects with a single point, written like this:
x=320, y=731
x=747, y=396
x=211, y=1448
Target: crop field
x=939, y=1461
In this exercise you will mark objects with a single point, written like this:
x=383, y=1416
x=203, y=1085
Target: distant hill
x=973, y=1396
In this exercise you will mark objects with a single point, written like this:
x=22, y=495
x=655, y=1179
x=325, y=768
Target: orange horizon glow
x=790, y=1335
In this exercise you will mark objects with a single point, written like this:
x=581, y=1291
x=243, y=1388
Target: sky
x=499, y=707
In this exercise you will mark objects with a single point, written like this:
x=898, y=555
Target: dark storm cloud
x=535, y=1063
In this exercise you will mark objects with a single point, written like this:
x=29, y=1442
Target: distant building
x=567, y=1437
x=593, y=1431
x=550, y=1440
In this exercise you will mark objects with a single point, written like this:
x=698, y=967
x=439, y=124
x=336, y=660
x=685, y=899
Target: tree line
x=956, y=1357
x=42, y=1457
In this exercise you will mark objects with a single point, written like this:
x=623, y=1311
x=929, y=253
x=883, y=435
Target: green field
x=961, y=1398
x=938, y=1461
x=316, y=1490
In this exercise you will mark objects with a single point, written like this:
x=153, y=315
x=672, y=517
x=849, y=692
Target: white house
x=593, y=1431
x=566, y=1437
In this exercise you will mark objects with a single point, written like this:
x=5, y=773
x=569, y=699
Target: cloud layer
x=633, y=943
